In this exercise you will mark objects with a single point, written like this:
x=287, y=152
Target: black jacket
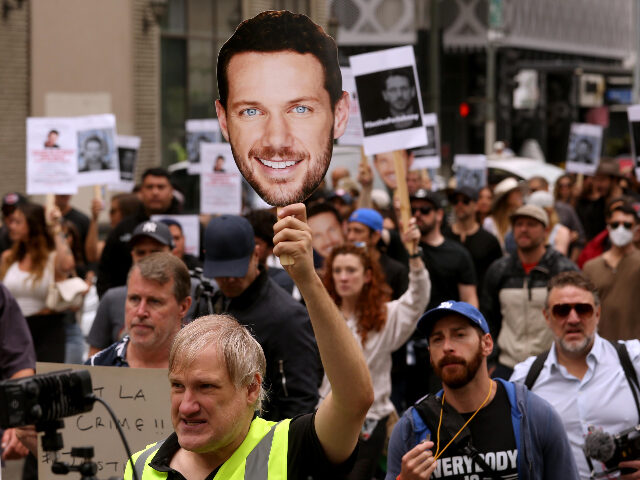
x=282, y=327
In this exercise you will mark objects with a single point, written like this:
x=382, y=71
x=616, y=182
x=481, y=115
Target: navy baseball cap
x=229, y=243
x=158, y=231
x=471, y=313
x=369, y=217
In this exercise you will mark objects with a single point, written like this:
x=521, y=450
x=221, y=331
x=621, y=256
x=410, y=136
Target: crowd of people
x=482, y=338
x=525, y=297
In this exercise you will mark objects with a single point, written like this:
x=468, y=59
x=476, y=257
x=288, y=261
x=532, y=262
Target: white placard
x=429, y=155
x=97, y=151
x=190, y=230
x=389, y=100
x=140, y=398
x=353, y=134
x=128, y=148
x=220, y=180
x=52, y=157
x=471, y=171
x=583, y=152
x=634, y=128
x=205, y=130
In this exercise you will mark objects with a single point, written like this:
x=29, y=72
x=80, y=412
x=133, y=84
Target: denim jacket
x=543, y=448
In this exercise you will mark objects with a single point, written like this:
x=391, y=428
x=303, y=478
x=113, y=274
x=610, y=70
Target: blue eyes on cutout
x=250, y=112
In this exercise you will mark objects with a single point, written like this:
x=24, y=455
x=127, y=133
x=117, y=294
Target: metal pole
x=636, y=68
x=490, y=114
x=434, y=57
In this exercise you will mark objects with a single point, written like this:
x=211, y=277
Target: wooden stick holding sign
x=285, y=259
x=402, y=193
x=97, y=193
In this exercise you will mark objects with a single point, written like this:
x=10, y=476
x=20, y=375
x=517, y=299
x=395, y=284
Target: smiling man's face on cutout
x=279, y=122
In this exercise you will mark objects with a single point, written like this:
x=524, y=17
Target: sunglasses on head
x=563, y=310
x=627, y=225
x=426, y=210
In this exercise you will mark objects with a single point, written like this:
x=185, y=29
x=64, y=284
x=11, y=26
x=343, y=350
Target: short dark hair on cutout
x=572, y=279
x=277, y=31
x=156, y=172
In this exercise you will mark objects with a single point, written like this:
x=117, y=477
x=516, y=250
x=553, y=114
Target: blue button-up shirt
x=602, y=398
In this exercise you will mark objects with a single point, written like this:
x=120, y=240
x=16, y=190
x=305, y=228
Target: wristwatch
x=417, y=254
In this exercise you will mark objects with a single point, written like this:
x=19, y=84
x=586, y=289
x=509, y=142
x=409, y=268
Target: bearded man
x=475, y=427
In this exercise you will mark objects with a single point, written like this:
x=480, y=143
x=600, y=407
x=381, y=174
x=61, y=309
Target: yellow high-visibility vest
x=261, y=456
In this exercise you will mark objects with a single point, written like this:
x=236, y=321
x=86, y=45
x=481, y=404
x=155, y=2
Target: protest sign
x=471, y=171
x=97, y=151
x=220, y=180
x=389, y=99
x=52, y=160
x=200, y=131
x=583, y=152
x=353, y=134
x=634, y=126
x=128, y=148
x=428, y=156
x=140, y=399
x=190, y=225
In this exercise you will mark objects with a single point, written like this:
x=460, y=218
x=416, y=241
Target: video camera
x=612, y=449
x=45, y=397
x=43, y=400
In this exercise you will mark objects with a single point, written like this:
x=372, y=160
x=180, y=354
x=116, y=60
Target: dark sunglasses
x=562, y=310
x=423, y=210
x=627, y=225
x=464, y=200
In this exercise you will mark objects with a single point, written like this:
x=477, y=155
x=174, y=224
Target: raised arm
x=340, y=416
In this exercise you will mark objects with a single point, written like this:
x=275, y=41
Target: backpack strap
x=535, y=369
x=629, y=371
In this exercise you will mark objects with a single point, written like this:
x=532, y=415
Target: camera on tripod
x=43, y=400
x=613, y=449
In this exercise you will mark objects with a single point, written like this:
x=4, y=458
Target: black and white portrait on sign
x=127, y=158
x=389, y=97
x=428, y=156
x=471, y=171
x=390, y=101
x=197, y=132
x=95, y=150
x=583, y=152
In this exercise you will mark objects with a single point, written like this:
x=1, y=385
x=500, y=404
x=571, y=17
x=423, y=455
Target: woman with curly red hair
x=356, y=283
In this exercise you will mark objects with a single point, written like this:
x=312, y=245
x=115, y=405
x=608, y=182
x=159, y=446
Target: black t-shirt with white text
x=492, y=436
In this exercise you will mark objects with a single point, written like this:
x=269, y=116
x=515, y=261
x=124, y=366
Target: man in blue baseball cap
x=365, y=226
x=475, y=424
x=278, y=322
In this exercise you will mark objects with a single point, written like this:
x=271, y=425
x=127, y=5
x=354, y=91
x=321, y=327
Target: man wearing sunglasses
x=582, y=375
x=616, y=275
x=482, y=245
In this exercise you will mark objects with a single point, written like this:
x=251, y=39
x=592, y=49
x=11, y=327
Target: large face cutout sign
x=281, y=104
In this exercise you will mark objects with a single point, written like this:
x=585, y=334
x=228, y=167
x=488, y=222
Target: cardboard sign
x=389, y=99
x=634, y=127
x=199, y=132
x=471, y=171
x=97, y=151
x=140, y=399
x=583, y=153
x=353, y=135
x=190, y=229
x=52, y=157
x=128, y=148
x=220, y=180
x=428, y=156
